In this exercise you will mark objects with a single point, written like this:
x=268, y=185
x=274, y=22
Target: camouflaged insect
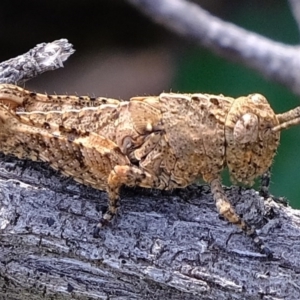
x=162, y=142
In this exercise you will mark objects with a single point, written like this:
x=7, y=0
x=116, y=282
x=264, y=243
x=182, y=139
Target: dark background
x=120, y=53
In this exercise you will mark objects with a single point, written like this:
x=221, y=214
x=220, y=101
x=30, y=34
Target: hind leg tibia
x=227, y=211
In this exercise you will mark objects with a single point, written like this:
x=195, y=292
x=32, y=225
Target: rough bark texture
x=43, y=57
x=161, y=246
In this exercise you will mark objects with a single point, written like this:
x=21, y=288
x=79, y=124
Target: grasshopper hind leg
x=227, y=211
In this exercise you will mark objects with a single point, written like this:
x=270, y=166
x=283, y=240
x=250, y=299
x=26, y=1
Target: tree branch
x=295, y=8
x=276, y=61
x=43, y=57
x=161, y=246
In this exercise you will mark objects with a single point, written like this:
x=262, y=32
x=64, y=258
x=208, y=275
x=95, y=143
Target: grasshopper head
x=251, y=142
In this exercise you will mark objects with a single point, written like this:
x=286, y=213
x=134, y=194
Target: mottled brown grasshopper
x=162, y=142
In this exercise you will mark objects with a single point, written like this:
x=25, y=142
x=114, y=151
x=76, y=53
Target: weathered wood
x=161, y=246
x=43, y=57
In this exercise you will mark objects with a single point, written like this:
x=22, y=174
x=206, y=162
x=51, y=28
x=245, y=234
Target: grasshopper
x=163, y=142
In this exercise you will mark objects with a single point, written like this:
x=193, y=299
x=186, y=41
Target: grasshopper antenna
x=288, y=119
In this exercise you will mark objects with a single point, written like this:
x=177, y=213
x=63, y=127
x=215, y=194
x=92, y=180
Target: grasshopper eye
x=246, y=129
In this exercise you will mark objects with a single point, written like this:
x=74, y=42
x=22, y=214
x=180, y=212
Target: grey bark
x=295, y=8
x=161, y=246
x=43, y=57
x=274, y=60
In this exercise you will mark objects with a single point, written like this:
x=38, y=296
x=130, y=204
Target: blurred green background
x=120, y=53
